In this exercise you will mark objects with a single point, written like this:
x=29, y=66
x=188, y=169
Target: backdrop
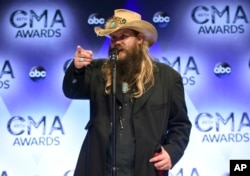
x=207, y=42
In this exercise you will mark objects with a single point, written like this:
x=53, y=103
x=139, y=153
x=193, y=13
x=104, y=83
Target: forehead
x=121, y=31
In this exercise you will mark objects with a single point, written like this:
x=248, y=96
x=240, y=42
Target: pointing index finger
x=79, y=49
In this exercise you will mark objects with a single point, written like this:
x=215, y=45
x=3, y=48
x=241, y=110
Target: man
x=150, y=112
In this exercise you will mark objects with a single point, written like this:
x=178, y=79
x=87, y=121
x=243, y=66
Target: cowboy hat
x=126, y=19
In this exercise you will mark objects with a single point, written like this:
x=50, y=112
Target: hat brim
x=144, y=27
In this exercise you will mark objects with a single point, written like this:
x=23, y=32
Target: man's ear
x=140, y=38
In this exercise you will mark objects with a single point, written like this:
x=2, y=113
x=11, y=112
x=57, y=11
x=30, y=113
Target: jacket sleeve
x=76, y=82
x=179, y=125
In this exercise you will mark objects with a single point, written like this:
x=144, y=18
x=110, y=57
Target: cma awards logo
x=33, y=24
x=69, y=173
x=182, y=172
x=4, y=173
x=37, y=73
x=220, y=128
x=214, y=20
x=6, y=74
x=222, y=69
x=31, y=132
x=161, y=19
x=96, y=19
x=187, y=68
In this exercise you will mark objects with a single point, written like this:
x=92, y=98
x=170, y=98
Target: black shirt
x=125, y=141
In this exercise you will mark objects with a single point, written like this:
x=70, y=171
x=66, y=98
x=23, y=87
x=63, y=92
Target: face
x=125, y=40
x=130, y=53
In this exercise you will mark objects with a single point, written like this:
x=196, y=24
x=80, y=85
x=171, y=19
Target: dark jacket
x=160, y=116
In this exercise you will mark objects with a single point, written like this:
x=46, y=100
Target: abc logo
x=161, y=19
x=95, y=19
x=37, y=73
x=222, y=69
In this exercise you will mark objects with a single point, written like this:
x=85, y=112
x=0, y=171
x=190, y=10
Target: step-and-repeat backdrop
x=207, y=42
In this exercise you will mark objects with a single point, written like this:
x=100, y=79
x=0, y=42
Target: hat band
x=115, y=22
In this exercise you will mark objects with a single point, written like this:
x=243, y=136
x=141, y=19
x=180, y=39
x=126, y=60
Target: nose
x=116, y=42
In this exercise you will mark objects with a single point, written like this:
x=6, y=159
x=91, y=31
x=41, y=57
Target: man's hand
x=82, y=57
x=162, y=161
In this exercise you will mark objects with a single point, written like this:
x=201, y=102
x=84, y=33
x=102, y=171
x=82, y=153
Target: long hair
x=141, y=81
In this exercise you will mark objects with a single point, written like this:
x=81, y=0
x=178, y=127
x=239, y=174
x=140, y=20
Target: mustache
x=118, y=47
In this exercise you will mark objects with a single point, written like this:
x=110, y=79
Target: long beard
x=130, y=66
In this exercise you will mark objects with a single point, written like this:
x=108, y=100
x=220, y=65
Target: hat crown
x=121, y=17
x=127, y=14
x=126, y=19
